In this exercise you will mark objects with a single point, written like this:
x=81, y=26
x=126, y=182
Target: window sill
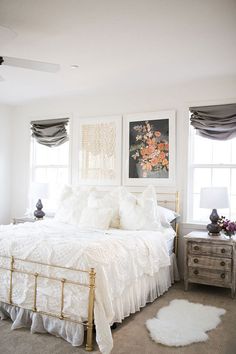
x=190, y=226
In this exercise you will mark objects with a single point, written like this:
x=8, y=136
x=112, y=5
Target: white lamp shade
x=39, y=190
x=214, y=198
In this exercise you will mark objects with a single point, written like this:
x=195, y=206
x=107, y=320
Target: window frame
x=191, y=167
x=34, y=166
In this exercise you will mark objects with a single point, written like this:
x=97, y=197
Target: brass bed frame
x=14, y=262
x=176, y=203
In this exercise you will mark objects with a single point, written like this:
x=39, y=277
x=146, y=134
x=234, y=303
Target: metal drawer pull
x=196, y=248
x=222, y=275
x=222, y=263
x=195, y=260
x=222, y=250
x=195, y=272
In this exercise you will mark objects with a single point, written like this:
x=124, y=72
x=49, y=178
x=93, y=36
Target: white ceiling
x=119, y=45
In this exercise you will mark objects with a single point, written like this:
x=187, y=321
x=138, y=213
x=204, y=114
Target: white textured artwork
x=100, y=141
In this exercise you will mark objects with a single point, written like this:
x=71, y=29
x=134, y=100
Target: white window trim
x=69, y=165
x=191, y=167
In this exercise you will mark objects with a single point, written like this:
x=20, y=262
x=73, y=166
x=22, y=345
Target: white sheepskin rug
x=183, y=322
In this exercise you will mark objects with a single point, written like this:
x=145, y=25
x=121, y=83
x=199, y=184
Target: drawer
x=220, y=263
x=209, y=276
x=210, y=249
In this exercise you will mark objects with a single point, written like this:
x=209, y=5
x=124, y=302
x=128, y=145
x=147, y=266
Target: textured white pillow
x=106, y=200
x=96, y=218
x=167, y=216
x=71, y=205
x=66, y=192
x=139, y=213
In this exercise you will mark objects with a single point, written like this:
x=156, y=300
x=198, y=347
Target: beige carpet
x=131, y=337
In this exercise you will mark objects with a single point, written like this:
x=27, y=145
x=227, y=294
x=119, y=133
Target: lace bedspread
x=119, y=257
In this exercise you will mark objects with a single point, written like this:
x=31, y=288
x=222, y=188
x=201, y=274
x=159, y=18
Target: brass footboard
x=63, y=281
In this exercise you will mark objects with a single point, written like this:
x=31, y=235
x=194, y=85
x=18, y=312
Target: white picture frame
x=100, y=152
x=137, y=160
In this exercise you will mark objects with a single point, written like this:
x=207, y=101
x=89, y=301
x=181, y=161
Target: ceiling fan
x=29, y=64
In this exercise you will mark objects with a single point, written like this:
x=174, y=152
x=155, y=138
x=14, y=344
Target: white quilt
x=119, y=257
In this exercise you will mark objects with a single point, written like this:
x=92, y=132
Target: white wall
x=5, y=164
x=178, y=98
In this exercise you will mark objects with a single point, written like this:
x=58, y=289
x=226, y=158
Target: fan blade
x=31, y=64
x=1, y=78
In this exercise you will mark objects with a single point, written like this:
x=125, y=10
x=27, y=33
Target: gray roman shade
x=215, y=122
x=51, y=132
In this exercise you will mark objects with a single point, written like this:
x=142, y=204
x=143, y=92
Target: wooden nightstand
x=209, y=260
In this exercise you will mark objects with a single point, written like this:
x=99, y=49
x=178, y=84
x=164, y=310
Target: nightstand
x=22, y=219
x=209, y=260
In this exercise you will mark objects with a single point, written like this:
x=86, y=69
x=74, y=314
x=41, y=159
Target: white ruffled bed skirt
x=144, y=290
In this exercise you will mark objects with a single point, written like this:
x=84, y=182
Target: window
x=49, y=165
x=212, y=163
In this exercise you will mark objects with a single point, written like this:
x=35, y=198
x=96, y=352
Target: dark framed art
x=149, y=149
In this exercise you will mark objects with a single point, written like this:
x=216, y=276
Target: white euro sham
x=139, y=213
x=96, y=218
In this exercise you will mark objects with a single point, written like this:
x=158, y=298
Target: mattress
x=133, y=267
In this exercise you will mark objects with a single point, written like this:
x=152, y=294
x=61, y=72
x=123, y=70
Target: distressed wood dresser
x=209, y=260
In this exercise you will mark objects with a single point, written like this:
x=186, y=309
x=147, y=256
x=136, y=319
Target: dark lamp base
x=213, y=234
x=213, y=228
x=39, y=213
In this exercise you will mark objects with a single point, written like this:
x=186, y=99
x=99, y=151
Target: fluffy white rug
x=183, y=322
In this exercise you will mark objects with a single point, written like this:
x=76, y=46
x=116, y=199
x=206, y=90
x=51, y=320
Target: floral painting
x=149, y=149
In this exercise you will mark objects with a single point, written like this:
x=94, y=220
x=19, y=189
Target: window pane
x=221, y=151
x=45, y=155
x=50, y=165
x=233, y=181
x=62, y=176
x=202, y=178
x=224, y=212
x=63, y=154
x=56, y=178
x=40, y=175
x=199, y=214
x=41, y=156
x=52, y=175
x=233, y=208
x=221, y=177
x=202, y=150
x=233, y=142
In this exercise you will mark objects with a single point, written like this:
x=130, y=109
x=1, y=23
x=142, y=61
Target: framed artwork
x=100, y=151
x=149, y=149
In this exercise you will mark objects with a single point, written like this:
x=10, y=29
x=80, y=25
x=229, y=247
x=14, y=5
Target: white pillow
x=106, y=200
x=71, y=205
x=96, y=218
x=65, y=192
x=139, y=213
x=167, y=216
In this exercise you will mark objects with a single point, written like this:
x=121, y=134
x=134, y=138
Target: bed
x=61, y=279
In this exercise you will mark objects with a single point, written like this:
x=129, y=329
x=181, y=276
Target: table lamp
x=39, y=190
x=214, y=198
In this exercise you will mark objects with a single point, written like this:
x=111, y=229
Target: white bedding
x=121, y=258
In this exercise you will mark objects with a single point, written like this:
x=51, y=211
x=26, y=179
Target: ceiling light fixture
x=74, y=66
